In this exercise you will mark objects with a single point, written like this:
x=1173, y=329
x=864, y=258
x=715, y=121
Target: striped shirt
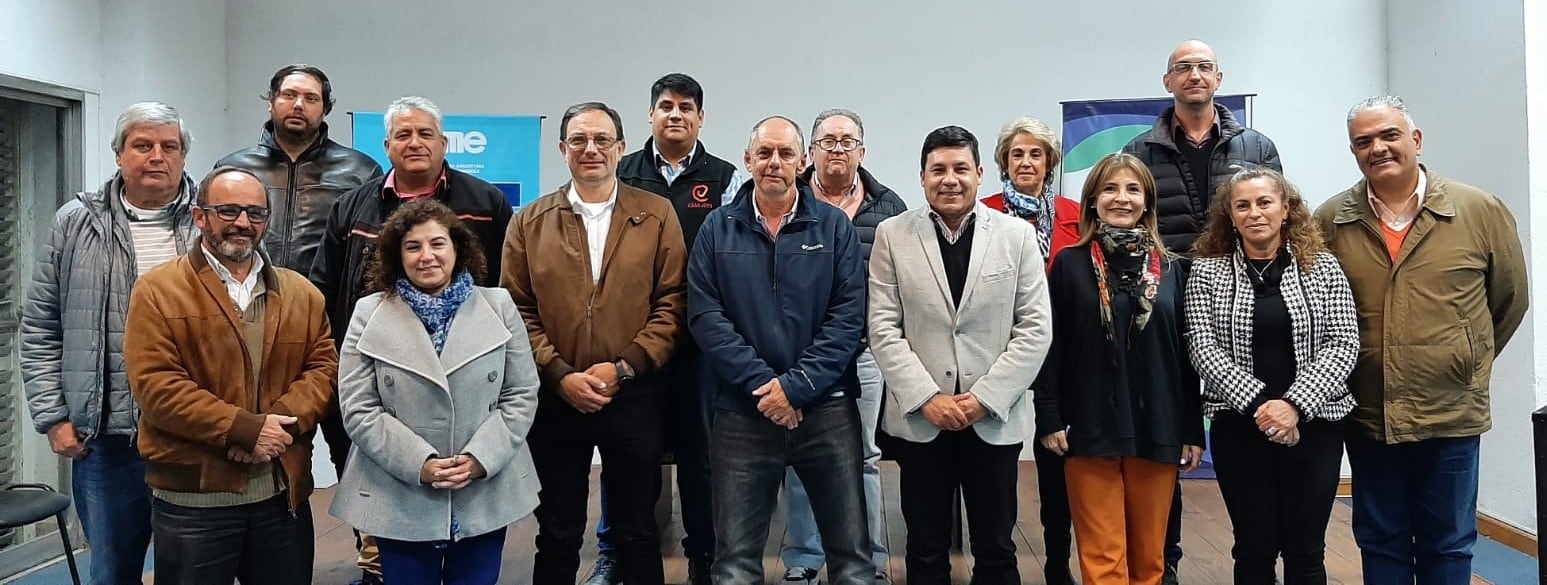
x=155, y=241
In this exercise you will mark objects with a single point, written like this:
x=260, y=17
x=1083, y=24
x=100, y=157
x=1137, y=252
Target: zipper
x=290, y=193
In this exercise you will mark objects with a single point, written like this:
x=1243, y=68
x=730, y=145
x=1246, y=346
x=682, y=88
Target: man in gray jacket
x=72, y=329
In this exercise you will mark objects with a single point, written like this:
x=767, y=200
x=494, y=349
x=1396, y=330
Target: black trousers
x=930, y=474
x=629, y=433
x=1057, y=524
x=1279, y=498
x=258, y=544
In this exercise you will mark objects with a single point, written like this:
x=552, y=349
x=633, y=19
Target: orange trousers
x=1120, y=506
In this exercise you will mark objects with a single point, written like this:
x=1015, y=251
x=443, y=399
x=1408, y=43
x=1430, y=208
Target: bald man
x=776, y=302
x=1194, y=146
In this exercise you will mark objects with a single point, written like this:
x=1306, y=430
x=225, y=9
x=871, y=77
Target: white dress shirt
x=597, y=218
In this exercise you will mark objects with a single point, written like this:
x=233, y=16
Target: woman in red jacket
x=1028, y=154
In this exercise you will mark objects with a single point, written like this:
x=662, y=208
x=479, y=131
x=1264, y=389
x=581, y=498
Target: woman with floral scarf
x=1117, y=396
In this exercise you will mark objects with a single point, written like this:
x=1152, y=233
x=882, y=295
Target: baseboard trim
x=1507, y=534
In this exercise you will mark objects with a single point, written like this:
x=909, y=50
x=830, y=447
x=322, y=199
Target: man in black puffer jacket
x=1195, y=145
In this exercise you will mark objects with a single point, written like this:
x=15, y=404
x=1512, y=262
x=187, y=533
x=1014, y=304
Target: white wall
x=1462, y=69
x=906, y=67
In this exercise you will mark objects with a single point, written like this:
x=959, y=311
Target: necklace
x=1261, y=272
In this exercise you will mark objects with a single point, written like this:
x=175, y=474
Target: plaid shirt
x=1219, y=306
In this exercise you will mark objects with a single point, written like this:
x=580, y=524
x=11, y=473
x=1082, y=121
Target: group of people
x=764, y=324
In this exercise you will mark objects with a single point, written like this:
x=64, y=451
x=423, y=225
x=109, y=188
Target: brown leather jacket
x=188, y=368
x=635, y=311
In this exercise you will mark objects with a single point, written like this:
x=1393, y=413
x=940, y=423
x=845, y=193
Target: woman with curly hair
x=1273, y=334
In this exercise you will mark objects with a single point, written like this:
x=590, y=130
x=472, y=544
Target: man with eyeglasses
x=838, y=177
x=675, y=165
x=72, y=329
x=416, y=147
x=305, y=172
x=596, y=269
x=1194, y=146
x=232, y=364
x=776, y=301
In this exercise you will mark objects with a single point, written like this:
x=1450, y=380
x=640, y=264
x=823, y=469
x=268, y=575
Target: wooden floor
x=1206, y=540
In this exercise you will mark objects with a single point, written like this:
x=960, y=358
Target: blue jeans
x=469, y=561
x=748, y=455
x=803, y=545
x=113, y=503
x=1415, y=509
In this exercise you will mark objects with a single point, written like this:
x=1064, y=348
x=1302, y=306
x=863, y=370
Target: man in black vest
x=674, y=164
x=1195, y=145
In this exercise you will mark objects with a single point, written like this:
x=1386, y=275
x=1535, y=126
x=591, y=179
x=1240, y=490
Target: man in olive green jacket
x=1439, y=281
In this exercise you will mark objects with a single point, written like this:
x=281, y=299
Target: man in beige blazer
x=959, y=324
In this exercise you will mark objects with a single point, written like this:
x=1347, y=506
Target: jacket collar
x=874, y=190
x=743, y=209
x=1160, y=133
x=1356, y=207
x=266, y=139
x=395, y=335
x=200, y=264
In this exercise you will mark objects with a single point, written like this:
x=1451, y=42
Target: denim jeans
x=803, y=545
x=1415, y=509
x=748, y=455
x=113, y=503
x=263, y=543
x=469, y=561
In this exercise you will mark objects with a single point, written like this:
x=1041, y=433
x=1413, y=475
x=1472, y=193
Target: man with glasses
x=776, y=297
x=305, y=172
x=230, y=359
x=416, y=147
x=72, y=335
x=1194, y=146
x=837, y=177
x=596, y=269
x=675, y=165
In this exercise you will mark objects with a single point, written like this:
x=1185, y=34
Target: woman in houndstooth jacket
x=1273, y=335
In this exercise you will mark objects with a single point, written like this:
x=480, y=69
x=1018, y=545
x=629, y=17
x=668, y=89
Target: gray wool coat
x=402, y=405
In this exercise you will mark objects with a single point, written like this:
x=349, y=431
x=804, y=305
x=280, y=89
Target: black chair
x=29, y=503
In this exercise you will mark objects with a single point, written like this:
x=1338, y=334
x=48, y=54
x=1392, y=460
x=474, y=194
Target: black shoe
x=605, y=572
x=367, y=578
x=698, y=570
x=1170, y=577
x=801, y=575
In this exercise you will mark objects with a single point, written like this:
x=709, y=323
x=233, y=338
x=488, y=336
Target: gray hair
x=753, y=136
x=148, y=114
x=1036, y=129
x=828, y=113
x=404, y=104
x=1382, y=101
x=209, y=179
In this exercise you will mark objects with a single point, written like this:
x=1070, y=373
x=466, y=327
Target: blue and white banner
x=503, y=150
x=1096, y=128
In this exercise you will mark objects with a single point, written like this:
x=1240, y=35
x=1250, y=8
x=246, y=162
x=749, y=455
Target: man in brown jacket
x=1439, y=284
x=597, y=271
x=231, y=361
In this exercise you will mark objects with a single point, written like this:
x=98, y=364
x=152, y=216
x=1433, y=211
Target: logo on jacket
x=700, y=198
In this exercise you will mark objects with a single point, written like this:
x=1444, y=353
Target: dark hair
x=1299, y=231
x=286, y=71
x=202, y=197
x=583, y=107
x=680, y=84
x=949, y=137
x=386, y=265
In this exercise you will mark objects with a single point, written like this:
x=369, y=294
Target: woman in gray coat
x=437, y=388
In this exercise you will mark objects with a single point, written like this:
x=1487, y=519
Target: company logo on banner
x=1096, y=128
x=503, y=150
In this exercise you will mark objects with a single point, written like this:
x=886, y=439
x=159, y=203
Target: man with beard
x=305, y=172
x=72, y=336
x=231, y=361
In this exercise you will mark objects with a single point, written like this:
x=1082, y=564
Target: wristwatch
x=625, y=373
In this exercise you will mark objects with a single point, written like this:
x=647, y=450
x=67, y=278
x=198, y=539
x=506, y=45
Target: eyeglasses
x=230, y=212
x=831, y=145
x=1204, y=67
x=578, y=142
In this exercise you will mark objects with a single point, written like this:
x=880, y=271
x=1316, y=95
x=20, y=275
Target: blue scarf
x=436, y=311
x=1039, y=209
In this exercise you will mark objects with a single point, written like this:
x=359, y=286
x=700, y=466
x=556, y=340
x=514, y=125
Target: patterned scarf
x=436, y=311
x=1136, y=261
x=1039, y=209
